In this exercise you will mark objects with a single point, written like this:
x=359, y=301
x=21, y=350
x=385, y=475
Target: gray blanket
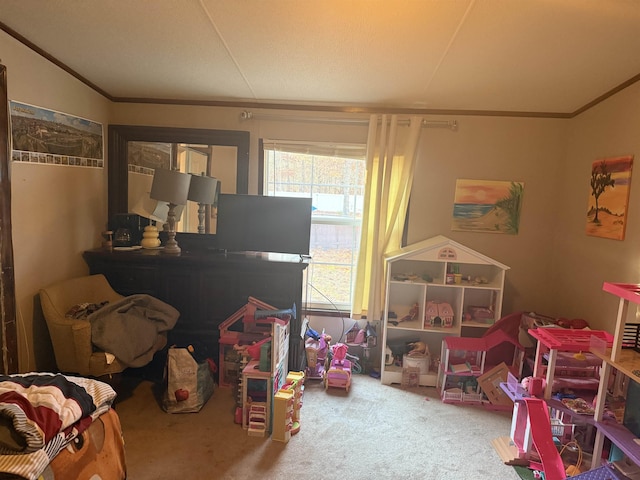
x=129, y=328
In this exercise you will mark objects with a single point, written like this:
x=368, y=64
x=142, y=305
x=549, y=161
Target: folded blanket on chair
x=129, y=328
x=41, y=413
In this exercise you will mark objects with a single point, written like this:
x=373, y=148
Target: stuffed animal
x=339, y=351
x=535, y=386
x=418, y=348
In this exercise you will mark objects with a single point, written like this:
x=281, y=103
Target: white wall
x=57, y=211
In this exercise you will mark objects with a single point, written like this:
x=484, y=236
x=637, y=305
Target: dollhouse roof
x=482, y=344
x=430, y=249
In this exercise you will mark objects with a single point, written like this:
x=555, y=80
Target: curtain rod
x=249, y=115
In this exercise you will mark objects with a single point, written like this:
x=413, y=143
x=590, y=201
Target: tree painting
x=487, y=206
x=609, y=197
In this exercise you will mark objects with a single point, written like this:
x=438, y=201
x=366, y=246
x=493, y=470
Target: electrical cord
x=355, y=363
x=334, y=306
x=573, y=469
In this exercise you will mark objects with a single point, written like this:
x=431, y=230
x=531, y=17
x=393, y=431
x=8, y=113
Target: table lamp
x=202, y=190
x=172, y=187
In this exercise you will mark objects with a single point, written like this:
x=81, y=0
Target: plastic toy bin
x=421, y=362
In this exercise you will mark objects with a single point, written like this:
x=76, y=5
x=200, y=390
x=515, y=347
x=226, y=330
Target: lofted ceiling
x=535, y=57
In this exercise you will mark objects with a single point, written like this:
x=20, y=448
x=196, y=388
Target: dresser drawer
x=131, y=280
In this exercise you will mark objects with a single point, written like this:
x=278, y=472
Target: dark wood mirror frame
x=8, y=330
x=121, y=135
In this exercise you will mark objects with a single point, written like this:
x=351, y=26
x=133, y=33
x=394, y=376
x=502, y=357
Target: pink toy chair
x=339, y=374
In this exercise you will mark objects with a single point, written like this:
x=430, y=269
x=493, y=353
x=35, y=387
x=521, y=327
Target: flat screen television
x=257, y=223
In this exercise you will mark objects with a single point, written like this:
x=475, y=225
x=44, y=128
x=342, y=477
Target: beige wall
x=496, y=148
x=57, y=211
x=555, y=268
x=582, y=263
x=229, y=119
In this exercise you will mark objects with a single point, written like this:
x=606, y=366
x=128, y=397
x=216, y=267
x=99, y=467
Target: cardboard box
x=490, y=385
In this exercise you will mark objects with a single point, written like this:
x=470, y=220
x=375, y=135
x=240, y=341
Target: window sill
x=317, y=312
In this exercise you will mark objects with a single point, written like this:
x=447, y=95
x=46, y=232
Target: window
x=334, y=177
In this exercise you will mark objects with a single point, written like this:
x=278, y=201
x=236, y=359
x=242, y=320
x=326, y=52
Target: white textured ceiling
x=546, y=56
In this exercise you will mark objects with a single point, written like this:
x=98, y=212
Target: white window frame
x=353, y=151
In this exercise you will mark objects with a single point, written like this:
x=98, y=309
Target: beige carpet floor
x=371, y=432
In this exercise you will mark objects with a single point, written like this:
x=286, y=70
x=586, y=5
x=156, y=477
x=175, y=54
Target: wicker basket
x=312, y=356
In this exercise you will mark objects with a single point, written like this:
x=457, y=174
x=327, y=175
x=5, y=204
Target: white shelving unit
x=437, y=272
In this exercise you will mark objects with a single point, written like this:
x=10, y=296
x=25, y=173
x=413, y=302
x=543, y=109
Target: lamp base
x=171, y=247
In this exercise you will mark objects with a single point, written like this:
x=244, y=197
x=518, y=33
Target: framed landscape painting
x=609, y=197
x=489, y=206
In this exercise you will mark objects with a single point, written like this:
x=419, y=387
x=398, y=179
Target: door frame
x=8, y=330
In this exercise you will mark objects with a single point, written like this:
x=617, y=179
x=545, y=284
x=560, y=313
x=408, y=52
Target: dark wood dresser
x=207, y=288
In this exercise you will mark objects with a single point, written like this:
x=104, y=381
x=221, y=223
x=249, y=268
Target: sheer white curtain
x=391, y=159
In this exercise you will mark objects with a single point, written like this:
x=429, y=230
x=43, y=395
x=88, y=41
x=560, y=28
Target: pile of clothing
x=41, y=414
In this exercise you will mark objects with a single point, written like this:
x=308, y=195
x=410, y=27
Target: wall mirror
x=136, y=151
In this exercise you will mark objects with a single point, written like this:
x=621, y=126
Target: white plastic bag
x=189, y=383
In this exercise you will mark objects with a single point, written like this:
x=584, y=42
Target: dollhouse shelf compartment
x=464, y=360
x=435, y=289
x=625, y=361
x=553, y=341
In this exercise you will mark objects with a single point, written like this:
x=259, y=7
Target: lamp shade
x=203, y=189
x=170, y=186
x=155, y=210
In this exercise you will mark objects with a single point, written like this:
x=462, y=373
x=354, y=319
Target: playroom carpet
x=373, y=431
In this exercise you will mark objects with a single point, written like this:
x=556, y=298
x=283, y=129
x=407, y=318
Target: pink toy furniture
x=531, y=429
x=339, y=373
x=551, y=341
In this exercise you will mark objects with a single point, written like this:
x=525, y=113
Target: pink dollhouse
x=438, y=314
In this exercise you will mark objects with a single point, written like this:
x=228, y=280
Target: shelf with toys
x=466, y=366
x=622, y=358
x=435, y=288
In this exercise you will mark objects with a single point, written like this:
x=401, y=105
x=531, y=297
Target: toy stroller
x=339, y=373
x=317, y=350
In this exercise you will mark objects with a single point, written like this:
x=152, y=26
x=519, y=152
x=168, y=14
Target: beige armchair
x=71, y=338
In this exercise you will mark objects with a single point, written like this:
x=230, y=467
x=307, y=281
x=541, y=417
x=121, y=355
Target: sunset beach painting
x=609, y=197
x=489, y=206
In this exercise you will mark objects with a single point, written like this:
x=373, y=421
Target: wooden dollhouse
x=434, y=288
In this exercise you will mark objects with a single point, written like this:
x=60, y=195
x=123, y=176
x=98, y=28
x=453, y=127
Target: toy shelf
x=622, y=437
x=623, y=360
x=628, y=362
x=569, y=340
x=551, y=341
x=434, y=289
x=414, y=326
x=393, y=374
